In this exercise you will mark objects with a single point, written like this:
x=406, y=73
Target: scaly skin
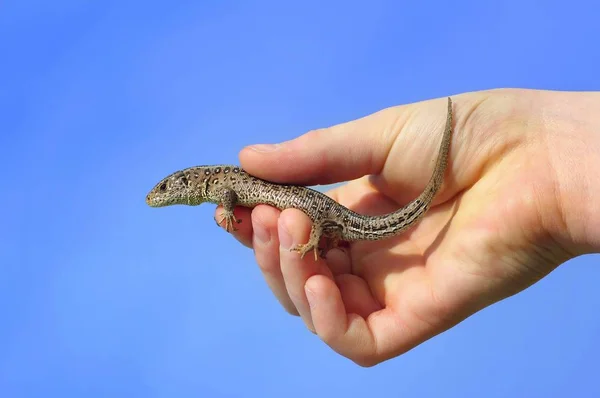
x=231, y=186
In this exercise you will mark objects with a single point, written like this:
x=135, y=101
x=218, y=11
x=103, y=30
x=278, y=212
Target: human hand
x=514, y=205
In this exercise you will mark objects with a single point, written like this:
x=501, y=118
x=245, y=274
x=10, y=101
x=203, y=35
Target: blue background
x=101, y=295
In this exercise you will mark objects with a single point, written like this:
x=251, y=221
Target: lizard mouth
x=152, y=201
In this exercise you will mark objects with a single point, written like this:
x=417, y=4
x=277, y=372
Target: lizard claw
x=303, y=249
x=229, y=219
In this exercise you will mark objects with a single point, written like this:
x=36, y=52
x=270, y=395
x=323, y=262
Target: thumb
x=339, y=153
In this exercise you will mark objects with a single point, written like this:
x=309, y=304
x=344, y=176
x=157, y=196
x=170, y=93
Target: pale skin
x=519, y=199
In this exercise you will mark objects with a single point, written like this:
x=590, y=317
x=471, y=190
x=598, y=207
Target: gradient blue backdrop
x=101, y=296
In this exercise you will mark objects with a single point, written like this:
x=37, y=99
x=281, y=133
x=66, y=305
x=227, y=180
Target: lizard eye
x=163, y=187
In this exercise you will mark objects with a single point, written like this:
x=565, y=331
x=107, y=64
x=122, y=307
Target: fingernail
x=265, y=147
x=310, y=297
x=261, y=233
x=285, y=238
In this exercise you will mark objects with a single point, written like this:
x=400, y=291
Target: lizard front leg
x=228, y=199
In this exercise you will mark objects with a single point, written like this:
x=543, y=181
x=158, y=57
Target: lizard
x=231, y=186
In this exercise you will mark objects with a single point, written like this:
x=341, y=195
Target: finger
x=359, y=328
x=339, y=261
x=350, y=150
x=365, y=340
x=357, y=295
x=294, y=227
x=339, y=153
x=266, y=251
x=346, y=333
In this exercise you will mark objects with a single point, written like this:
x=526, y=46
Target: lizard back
x=230, y=185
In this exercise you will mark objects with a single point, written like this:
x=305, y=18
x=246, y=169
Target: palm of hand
x=444, y=269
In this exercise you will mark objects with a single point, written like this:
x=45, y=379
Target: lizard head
x=175, y=189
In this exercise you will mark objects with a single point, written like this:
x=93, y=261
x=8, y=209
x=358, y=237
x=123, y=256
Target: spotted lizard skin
x=230, y=186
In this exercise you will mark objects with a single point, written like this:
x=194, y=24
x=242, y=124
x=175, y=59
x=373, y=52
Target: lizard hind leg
x=333, y=233
x=316, y=232
x=330, y=244
x=330, y=230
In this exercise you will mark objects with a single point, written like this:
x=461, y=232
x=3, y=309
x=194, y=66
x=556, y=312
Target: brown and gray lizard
x=229, y=185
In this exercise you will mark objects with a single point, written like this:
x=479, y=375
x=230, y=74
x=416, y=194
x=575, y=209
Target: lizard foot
x=305, y=248
x=229, y=219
